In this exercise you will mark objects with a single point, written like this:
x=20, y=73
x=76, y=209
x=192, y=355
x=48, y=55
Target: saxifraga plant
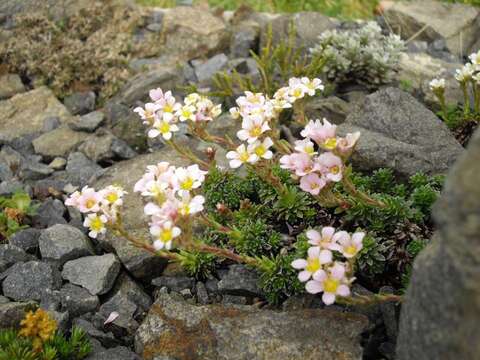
x=14, y=210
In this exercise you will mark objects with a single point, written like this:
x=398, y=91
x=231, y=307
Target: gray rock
x=27, y=168
x=202, y=293
x=9, y=187
x=78, y=301
x=13, y=312
x=389, y=314
x=62, y=319
x=122, y=150
x=205, y=71
x=4, y=300
x=30, y=280
x=456, y=24
x=59, y=142
x=51, y=300
x=417, y=46
x=50, y=213
x=88, y=122
x=118, y=353
x=62, y=243
x=5, y=172
x=32, y=169
x=80, y=103
x=26, y=239
x=81, y=170
x=11, y=254
x=183, y=331
x=332, y=108
x=10, y=84
x=103, y=146
x=97, y=274
x=58, y=163
x=234, y=300
x=239, y=281
x=244, y=39
x=106, y=339
x=440, y=315
x=51, y=123
x=126, y=286
x=174, y=283
x=400, y=133
x=126, y=310
x=15, y=110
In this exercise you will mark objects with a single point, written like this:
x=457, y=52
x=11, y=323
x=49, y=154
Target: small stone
x=58, y=163
x=77, y=300
x=97, y=274
x=174, y=283
x=244, y=39
x=50, y=300
x=121, y=149
x=80, y=103
x=12, y=254
x=239, y=281
x=58, y=142
x=118, y=353
x=212, y=285
x=10, y=84
x=26, y=239
x=126, y=310
x=51, y=123
x=62, y=243
x=232, y=299
x=4, y=300
x=126, y=286
x=50, y=213
x=12, y=313
x=209, y=68
x=62, y=319
x=202, y=294
x=88, y=122
x=106, y=339
x=98, y=147
x=30, y=280
x=32, y=169
x=389, y=314
x=81, y=170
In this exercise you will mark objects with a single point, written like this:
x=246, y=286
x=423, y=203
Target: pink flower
x=331, y=282
x=312, y=183
x=89, y=200
x=316, y=258
x=324, y=239
x=156, y=94
x=345, y=145
x=301, y=163
x=331, y=166
x=320, y=133
x=147, y=114
x=72, y=200
x=350, y=246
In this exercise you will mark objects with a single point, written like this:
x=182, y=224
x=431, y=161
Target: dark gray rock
x=122, y=150
x=81, y=170
x=389, y=314
x=77, y=301
x=234, y=300
x=202, y=293
x=63, y=242
x=239, y=281
x=11, y=254
x=80, y=103
x=28, y=281
x=244, y=39
x=50, y=213
x=4, y=300
x=400, y=133
x=62, y=319
x=104, y=147
x=51, y=300
x=183, y=331
x=118, y=353
x=439, y=318
x=13, y=312
x=97, y=274
x=334, y=109
x=174, y=283
x=206, y=70
x=88, y=122
x=32, y=169
x=51, y=123
x=126, y=286
x=26, y=239
x=126, y=309
x=9, y=187
x=106, y=339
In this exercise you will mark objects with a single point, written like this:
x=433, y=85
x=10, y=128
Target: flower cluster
x=164, y=112
x=100, y=207
x=364, y=54
x=469, y=74
x=39, y=327
x=257, y=112
x=171, y=194
x=320, y=271
x=317, y=170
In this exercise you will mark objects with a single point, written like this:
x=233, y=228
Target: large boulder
x=175, y=329
x=35, y=105
x=440, y=317
x=400, y=133
x=431, y=20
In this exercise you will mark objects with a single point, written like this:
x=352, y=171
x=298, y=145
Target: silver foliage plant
x=364, y=54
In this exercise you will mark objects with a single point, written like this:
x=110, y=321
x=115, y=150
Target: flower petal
x=343, y=290
x=304, y=275
x=314, y=287
x=328, y=298
x=299, y=264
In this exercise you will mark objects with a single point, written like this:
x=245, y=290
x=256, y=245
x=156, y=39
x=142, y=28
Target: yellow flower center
x=330, y=143
x=96, y=224
x=330, y=285
x=186, y=209
x=112, y=197
x=260, y=150
x=244, y=156
x=187, y=184
x=256, y=131
x=166, y=235
x=164, y=127
x=309, y=150
x=168, y=108
x=186, y=113
x=351, y=250
x=313, y=265
x=90, y=203
x=335, y=169
x=297, y=92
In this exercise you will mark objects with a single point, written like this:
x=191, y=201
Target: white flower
x=89, y=200
x=186, y=112
x=147, y=114
x=252, y=129
x=189, y=178
x=465, y=73
x=316, y=258
x=164, y=234
x=261, y=149
x=241, y=156
x=96, y=224
x=475, y=59
x=305, y=146
x=324, y=239
x=437, y=84
x=311, y=86
x=350, y=245
x=331, y=282
x=113, y=195
x=189, y=206
x=164, y=127
x=297, y=89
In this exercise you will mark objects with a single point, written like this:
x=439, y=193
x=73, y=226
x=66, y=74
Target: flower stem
x=352, y=190
x=224, y=253
x=365, y=300
x=187, y=154
x=466, y=97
